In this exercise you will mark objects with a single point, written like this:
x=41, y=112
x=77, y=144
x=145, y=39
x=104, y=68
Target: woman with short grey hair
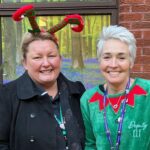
x=120, y=33
x=116, y=113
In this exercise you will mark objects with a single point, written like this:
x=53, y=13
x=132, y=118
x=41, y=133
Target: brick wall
x=135, y=15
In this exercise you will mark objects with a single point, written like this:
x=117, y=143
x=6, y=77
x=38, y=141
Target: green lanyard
x=61, y=124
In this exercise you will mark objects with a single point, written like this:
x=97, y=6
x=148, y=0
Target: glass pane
x=77, y=49
x=14, y=1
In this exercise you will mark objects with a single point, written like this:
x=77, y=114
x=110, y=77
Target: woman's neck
x=52, y=89
x=114, y=89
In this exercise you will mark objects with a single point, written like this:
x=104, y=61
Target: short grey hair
x=119, y=33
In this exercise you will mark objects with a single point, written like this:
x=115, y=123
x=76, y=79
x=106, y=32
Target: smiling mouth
x=46, y=71
x=113, y=74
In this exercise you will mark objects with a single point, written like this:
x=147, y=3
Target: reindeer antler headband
x=28, y=11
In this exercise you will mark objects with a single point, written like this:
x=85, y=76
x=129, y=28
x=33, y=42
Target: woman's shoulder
x=142, y=82
x=90, y=92
x=11, y=88
x=8, y=90
x=73, y=85
x=13, y=83
x=9, y=85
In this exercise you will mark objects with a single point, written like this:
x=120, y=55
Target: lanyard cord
x=61, y=123
x=120, y=119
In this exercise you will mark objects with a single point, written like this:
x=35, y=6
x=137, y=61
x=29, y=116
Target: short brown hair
x=30, y=37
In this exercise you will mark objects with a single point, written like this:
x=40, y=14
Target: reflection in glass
x=77, y=49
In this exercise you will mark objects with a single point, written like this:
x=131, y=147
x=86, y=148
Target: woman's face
x=115, y=62
x=43, y=62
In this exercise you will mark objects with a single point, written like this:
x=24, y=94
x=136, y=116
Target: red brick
x=141, y=75
x=139, y=43
x=131, y=17
x=141, y=8
x=142, y=59
x=131, y=1
x=124, y=8
x=146, y=68
x=146, y=34
x=146, y=42
x=139, y=51
x=146, y=51
x=125, y=24
x=141, y=25
x=147, y=2
x=137, y=34
x=135, y=15
x=137, y=68
x=146, y=17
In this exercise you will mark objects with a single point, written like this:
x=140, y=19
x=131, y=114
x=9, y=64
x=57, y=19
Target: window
x=78, y=50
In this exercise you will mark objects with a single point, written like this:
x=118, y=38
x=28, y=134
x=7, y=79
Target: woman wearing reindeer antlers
x=41, y=110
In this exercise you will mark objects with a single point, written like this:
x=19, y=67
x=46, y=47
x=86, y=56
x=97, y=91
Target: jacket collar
x=27, y=88
x=73, y=87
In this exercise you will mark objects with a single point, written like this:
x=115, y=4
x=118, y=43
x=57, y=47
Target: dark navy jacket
x=26, y=116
